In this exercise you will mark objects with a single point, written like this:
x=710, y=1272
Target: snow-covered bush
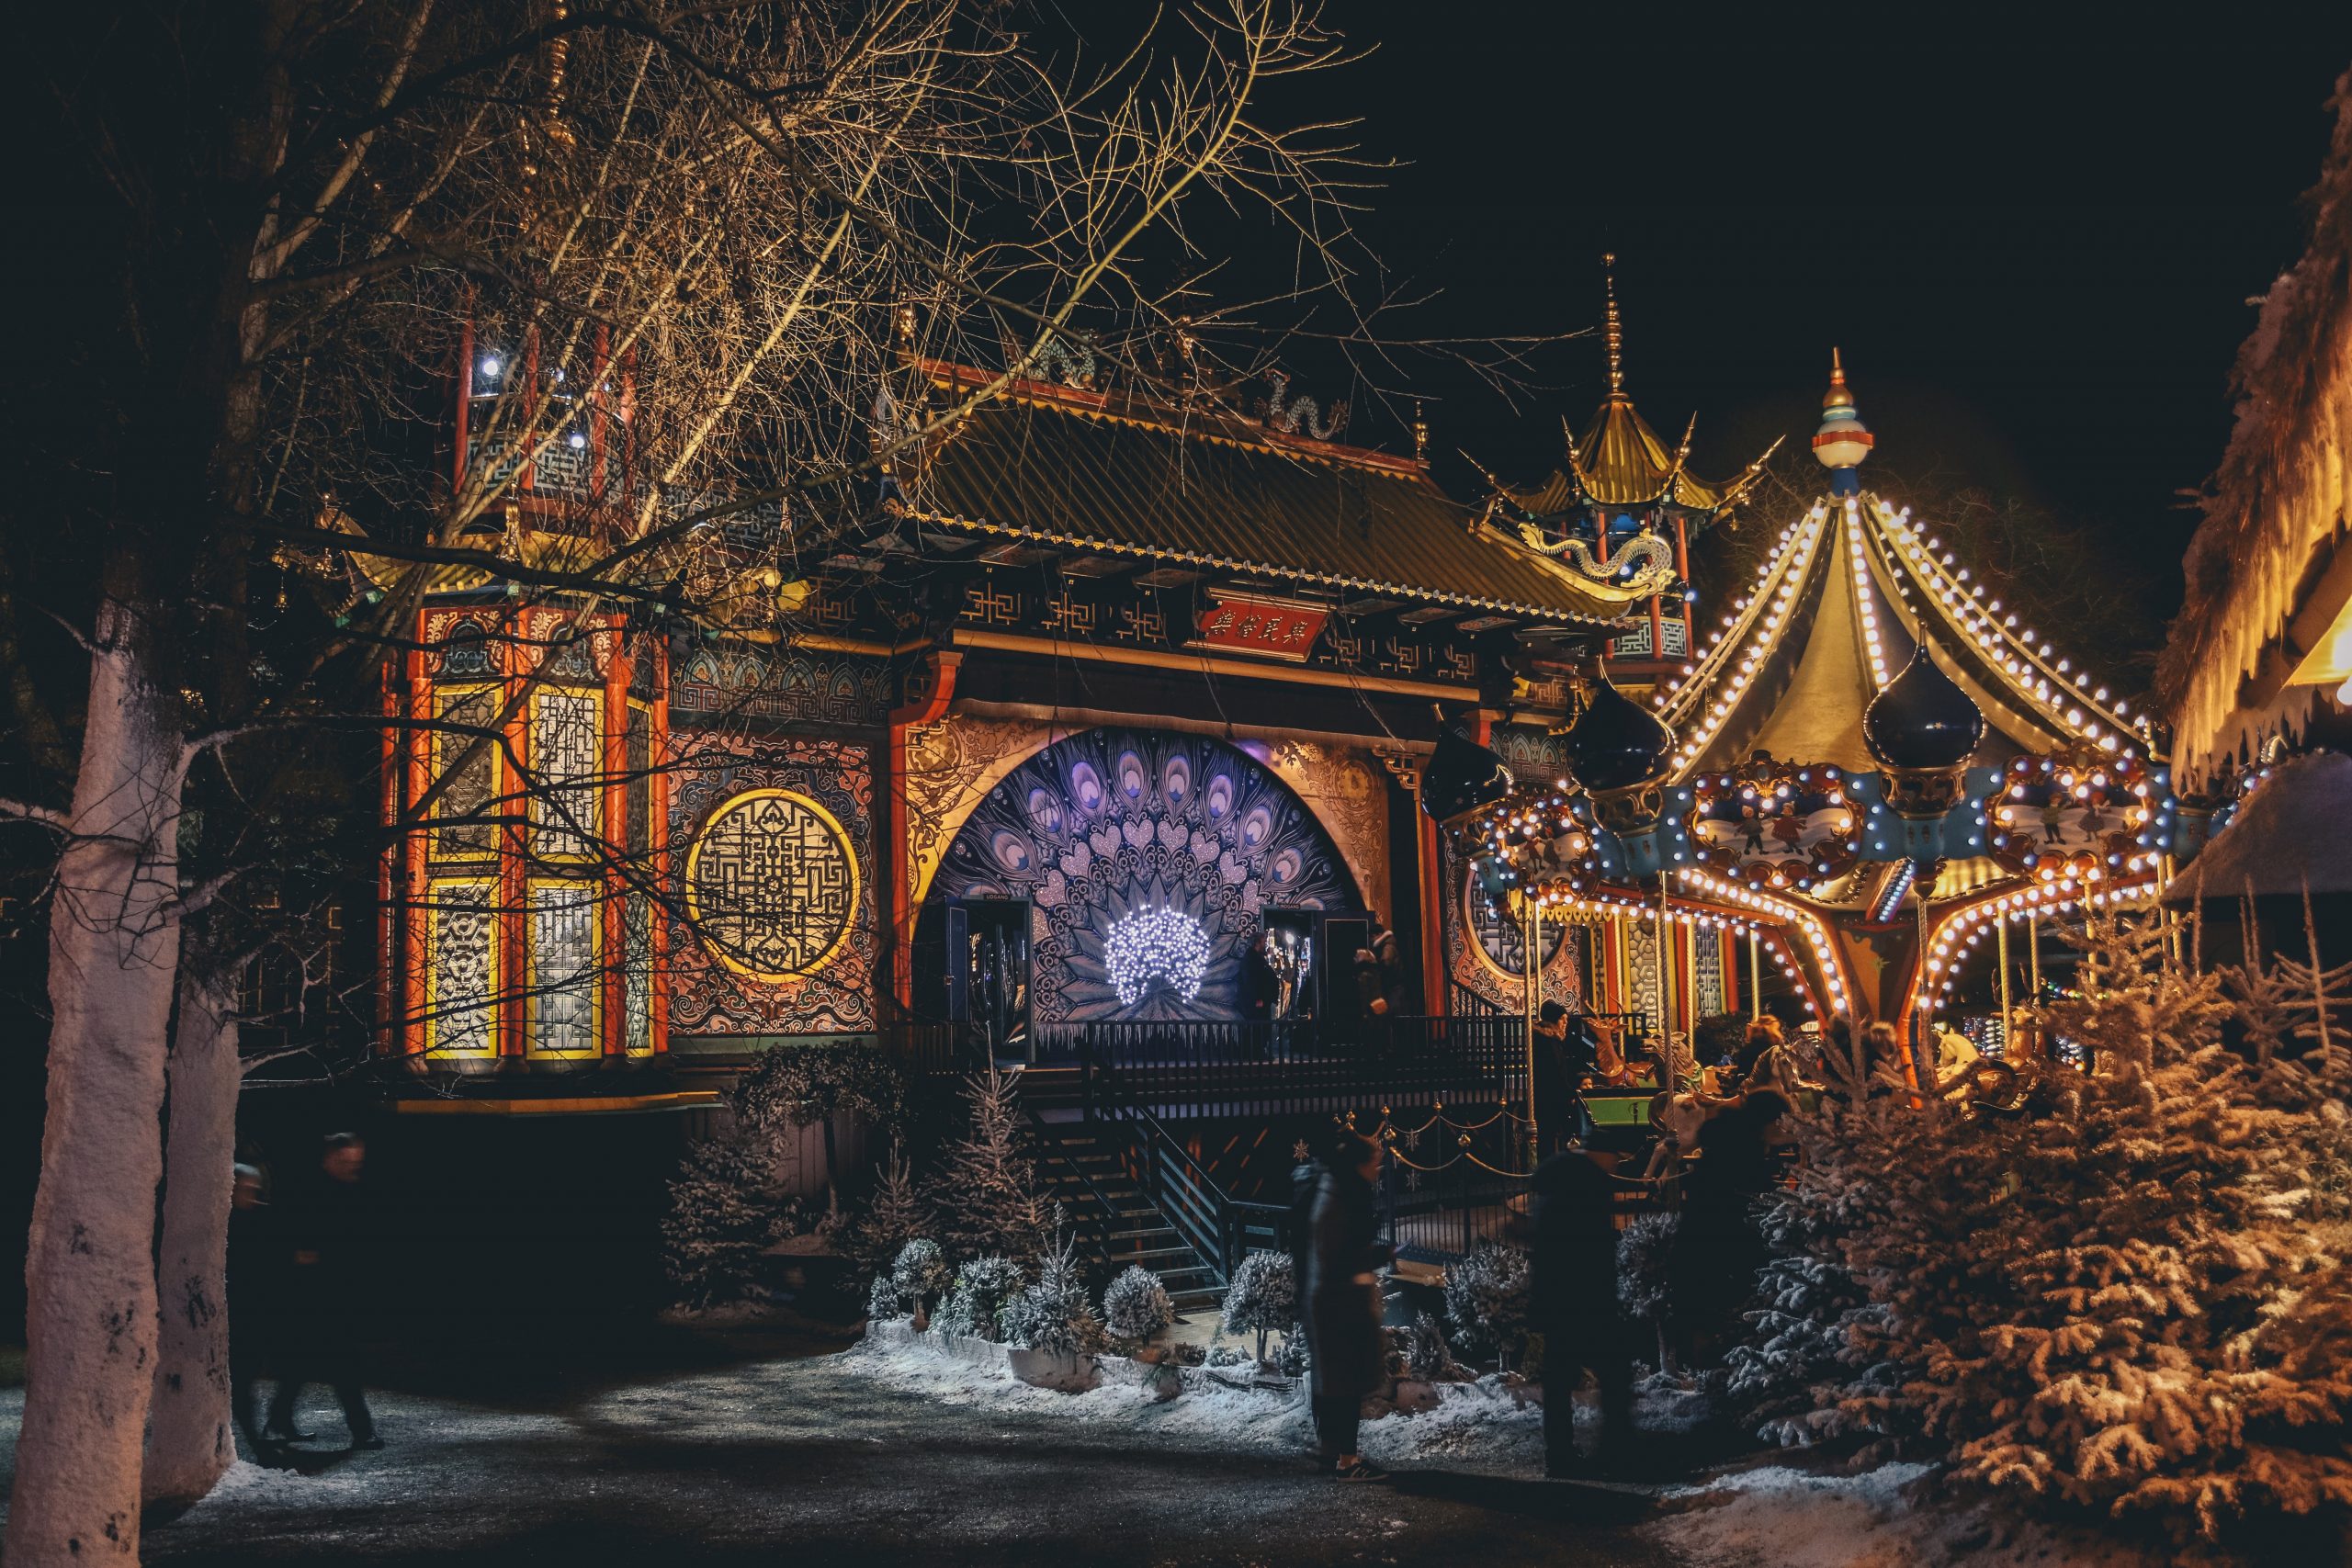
x=1136, y=1306
x=882, y=1301
x=1039, y=1318
x=724, y=1213
x=1262, y=1297
x=920, y=1272
x=1427, y=1355
x=1293, y=1360
x=981, y=1288
x=1646, y=1273
x=2128, y=1296
x=1053, y=1315
x=1488, y=1300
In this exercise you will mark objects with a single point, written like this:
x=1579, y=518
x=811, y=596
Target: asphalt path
x=776, y=1452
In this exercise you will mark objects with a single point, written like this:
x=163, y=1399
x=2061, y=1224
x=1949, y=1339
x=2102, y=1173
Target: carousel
x=1865, y=773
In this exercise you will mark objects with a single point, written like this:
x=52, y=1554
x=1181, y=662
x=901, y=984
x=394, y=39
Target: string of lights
x=1957, y=934
x=1753, y=632
x=2052, y=684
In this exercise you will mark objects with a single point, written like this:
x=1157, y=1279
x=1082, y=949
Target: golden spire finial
x=1614, y=334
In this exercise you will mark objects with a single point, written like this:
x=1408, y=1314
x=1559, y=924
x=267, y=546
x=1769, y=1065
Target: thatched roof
x=2289, y=836
x=2281, y=492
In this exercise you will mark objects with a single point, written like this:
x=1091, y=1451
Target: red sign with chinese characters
x=1272, y=628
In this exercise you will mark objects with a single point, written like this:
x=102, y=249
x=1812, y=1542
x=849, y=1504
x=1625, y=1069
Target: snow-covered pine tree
x=1136, y=1307
x=987, y=1195
x=1262, y=1297
x=896, y=1216
x=981, y=1288
x=724, y=1213
x=2114, y=1299
x=882, y=1302
x=1488, y=1297
x=1427, y=1355
x=1054, y=1315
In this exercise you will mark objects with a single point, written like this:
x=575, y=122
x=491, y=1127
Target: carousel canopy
x=1839, y=608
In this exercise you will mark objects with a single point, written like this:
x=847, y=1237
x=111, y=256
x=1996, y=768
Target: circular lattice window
x=772, y=885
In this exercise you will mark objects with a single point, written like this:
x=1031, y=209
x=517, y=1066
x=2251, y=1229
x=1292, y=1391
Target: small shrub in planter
x=1427, y=1355
x=920, y=1273
x=1262, y=1298
x=1487, y=1299
x=1136, y=1306
x=981, y=1288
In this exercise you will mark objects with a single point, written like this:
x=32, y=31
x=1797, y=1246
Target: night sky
x=2035, y=248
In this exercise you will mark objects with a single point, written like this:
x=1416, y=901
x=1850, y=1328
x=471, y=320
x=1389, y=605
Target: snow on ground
x=1792, y=1518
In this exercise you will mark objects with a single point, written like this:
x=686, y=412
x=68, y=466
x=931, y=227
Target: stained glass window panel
x=637, y=976
x=563, y=967
x=473, y=783
x=460, y=1001
x=565, y=741
x=1710, y=969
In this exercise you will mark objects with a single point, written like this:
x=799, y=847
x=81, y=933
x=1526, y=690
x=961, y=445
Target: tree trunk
x=189, y=1440
x=90, y=1270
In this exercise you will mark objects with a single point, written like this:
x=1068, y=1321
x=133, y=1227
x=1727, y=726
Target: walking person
x=1348, y=1356
x=1574, y=1277
x=256, y=1258
x=325, y=1290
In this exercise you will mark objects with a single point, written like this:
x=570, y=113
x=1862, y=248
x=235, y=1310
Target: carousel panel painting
x=1776, y=825
x=1149, y=862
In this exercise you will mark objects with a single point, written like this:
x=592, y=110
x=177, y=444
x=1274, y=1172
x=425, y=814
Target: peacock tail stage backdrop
x=1114, y=824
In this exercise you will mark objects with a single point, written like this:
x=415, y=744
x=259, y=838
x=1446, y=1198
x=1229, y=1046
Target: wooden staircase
x=1082, y=1167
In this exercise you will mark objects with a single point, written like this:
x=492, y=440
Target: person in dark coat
x=1718, y=1247
x=1563, y=1055
x=1348, y=1352
x=1575, y=1279
x=326, y=1292
x=256, y=1282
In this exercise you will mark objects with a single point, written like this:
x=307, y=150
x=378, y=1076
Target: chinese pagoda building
x=1110, y=683
x=1626, y=509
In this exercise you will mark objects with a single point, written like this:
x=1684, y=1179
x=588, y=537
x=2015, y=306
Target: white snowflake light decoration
x=1161, y=946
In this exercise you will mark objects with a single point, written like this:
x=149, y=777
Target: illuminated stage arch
x=1097, y=827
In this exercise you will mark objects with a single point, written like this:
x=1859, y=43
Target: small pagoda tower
x=1622, y=509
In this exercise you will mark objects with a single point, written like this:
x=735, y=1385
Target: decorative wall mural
x=1114, y=824
x=951, y=766
x=718, y=681
x=1348, y=792
x=1478, y=947
x=772, y=885
x=771, y=841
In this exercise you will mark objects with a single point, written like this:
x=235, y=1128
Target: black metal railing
x=1218, y=1227
x=1439, y=1216
x=1262, y=1070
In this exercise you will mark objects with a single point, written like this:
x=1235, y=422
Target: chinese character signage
x=1273, y=629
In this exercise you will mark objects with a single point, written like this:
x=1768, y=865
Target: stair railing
x=1201, y=1212
x=1093, y=1236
